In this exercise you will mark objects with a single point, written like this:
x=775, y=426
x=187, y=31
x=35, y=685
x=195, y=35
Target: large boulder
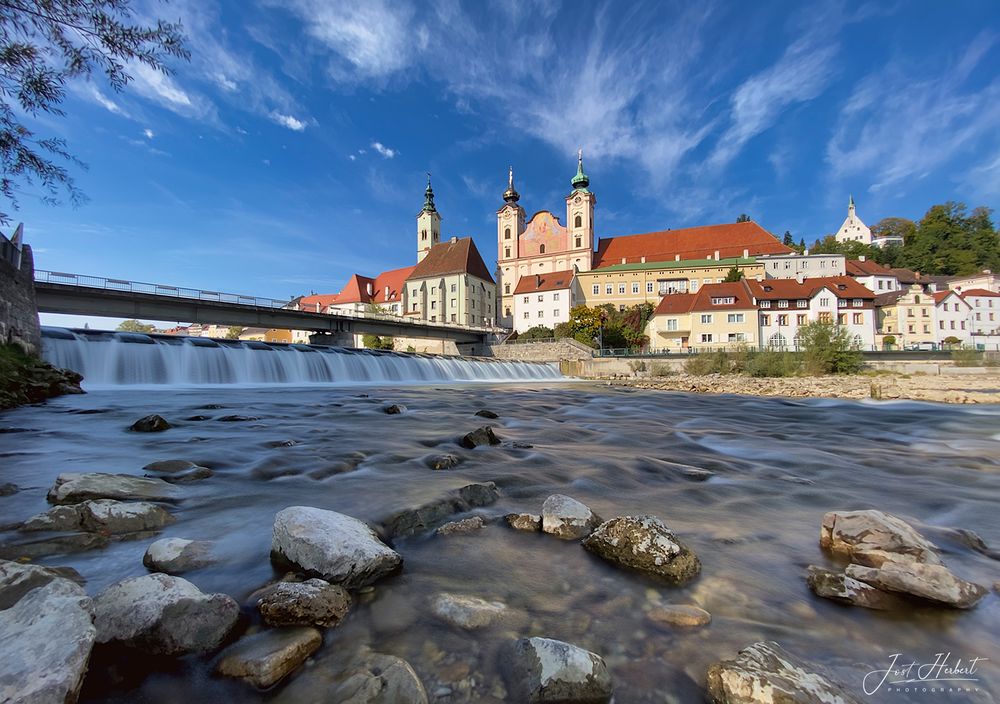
x=314, y=602
x=369, y=678
x=338, y=548
x=163, y=615
x=177, y=555
x=73, y=487
x=479, y=436
x=266, y=658
x=101, y=516
x=567, y=518
x=934, y=583
x=839, y=587
x=764, y=673
x=873, y=537
x=423, y=518
x=546, y=671
x=468, y=612
x=644, y=544
x=46, y=635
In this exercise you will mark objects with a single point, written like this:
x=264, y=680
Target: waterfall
x=124, y=358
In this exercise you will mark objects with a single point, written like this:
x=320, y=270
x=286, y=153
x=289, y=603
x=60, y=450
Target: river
x=776, y=467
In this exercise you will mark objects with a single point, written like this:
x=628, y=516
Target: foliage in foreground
x=374, y=342
x=829, y=349
x=607, y=325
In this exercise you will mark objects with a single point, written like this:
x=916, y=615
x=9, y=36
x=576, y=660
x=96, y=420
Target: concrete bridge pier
x=333, y=339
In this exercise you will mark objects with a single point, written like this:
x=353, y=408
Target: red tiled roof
x=392, y=280
x=979, y=292
x=536, y=283
x=776, y=289
x=856, y=267
x=674, y=303
x=729, y=240
x=739, y=291
x=323, y=300
x=453, y=257
x=941, y=295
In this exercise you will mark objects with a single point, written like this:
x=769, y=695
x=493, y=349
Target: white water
x=117, y=359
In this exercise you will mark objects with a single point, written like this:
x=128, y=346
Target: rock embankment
x=25, y=379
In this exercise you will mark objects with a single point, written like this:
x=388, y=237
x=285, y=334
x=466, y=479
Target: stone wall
x=18, y=310
x=557, y=351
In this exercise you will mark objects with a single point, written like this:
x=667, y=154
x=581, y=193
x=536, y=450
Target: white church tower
x=853, y=230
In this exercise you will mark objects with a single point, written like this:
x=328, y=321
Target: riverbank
x=978, y=388
x=26, y=379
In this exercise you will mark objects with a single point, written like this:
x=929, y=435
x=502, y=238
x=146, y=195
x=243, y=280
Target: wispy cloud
x=900, y=125
x=149, y=133
x=289, y=121
x=384, y=150
x=90, y=91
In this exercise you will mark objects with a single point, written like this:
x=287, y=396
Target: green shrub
x=967, y=357
x=374, y=342
x=829, y=349
x=699, y=364
x=773, y=363
x=661, y=369
x=539, y=332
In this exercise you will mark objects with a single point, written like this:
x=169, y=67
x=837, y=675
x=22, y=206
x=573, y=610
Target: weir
x=122, y=358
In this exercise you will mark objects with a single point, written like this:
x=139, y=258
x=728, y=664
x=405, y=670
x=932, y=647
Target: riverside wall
x=18, y=310
x=557, y=351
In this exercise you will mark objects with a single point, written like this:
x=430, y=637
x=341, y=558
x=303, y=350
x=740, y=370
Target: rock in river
x=764, y=673
x=72, y=488
x=163, y=615
x=47, y=632
x=839, y=587
x=177, y=555
x=338, y=548
x=524, y=521
x=468, y=612
x=266, y=658
x=370, y=678
x=466, y=526
x=933, y=583
x=540, y=670
x=644, y=544
x=567, y=518
x=479, y=436
x=150, y=424
x=101, y=516
x=416, y=520
x=314, y=602
x=873, y=537
x=680, y=615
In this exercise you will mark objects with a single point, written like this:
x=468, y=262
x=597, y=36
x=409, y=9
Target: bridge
x=77, y=294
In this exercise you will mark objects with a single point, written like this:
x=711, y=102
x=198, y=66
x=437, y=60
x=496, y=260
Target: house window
x=782, y=304
x=952, y=324
x=842, y=319
x=737, y=337
x=597, y=289
x=824, y=301
x=765, y=304
x=506, y=288
x=609, y=289
x=555, y=296
x=858, y=318
x=723, y=301
x=800, y=319
x=541, y=298
x=649, y=287
x=541, y=314
x=506, y=234
x=506, y=252
x=423, y=234
x=454, y=302
x=777, y=341
x=525, y=299
x=927, y=328
x=453, y=317
x=434, y=318
x=555, y=314
x=454, y=287
x=579, y=242
x=635, y=287
x=671, y=324
x=621, y=289
x=414, y=307
x=706, y=318
x=782, y=320
x=735, y=318
x=506, y=312
x=801, y=303
x=694, y=285
x=856, y=303
x=527, y=315
x=433, y=305
x=706, y=337
x=765, y=320
x=963, y=325
x=841, y=303
x=578, y=222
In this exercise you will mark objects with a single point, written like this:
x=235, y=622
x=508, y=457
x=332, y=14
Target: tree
x=787, y=239
x=43, y=45
x=135, y=326
x=829, y=349
x=234, y=332
x=539, y=332
x=743, y=218
x=734, y=275
x=374, y=342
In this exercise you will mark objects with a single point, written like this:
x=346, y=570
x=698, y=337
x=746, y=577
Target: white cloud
x=351, y=157
x=149, y=133
x=288, y=121
x=384, y=150
x=91, y=91
x=159, y=86
x=901, y=125
x=241, y=130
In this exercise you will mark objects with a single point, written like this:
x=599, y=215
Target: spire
x=511, y=195
x=580, y=181
x=429, y=197
x=850, y=205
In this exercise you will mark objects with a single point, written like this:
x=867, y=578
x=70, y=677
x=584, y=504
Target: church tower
x=428, y=224
x=510, y=225
x=580, y=215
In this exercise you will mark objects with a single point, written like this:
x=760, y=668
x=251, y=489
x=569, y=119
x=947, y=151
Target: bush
x=374, y=342
x=661, y=369
x=539, y=332
x=829, y=349
x=967, y=357
x=637, y=366
x=889, y=341
x=772, y=363
x=699, y=364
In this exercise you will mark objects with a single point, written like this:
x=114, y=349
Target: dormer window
x=782, y=303
x=765, y=304
x=723, y=301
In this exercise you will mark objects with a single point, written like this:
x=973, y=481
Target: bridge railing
x=102, y=282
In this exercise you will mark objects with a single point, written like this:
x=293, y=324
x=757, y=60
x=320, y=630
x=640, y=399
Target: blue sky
x=290, y=151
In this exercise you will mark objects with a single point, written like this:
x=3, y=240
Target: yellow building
x=626, y=285
x=719, y=316
x=906, y=315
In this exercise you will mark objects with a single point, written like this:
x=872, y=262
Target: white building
x=544, y=299
x=984, y=320
x=952, y=316
x=873, y=275
x=787, y=304
x=789, y=266
x=854, y=230
x=985, y=279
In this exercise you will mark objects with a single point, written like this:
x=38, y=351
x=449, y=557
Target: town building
x=985, y=318
x=788, y=304
x=544, y=299
x=718, y=316
x=451, y=284
x=790, y=266
x=872, y=275
x=906, y=317
x=952, y=315
x=854, y=230
x=985, y=279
